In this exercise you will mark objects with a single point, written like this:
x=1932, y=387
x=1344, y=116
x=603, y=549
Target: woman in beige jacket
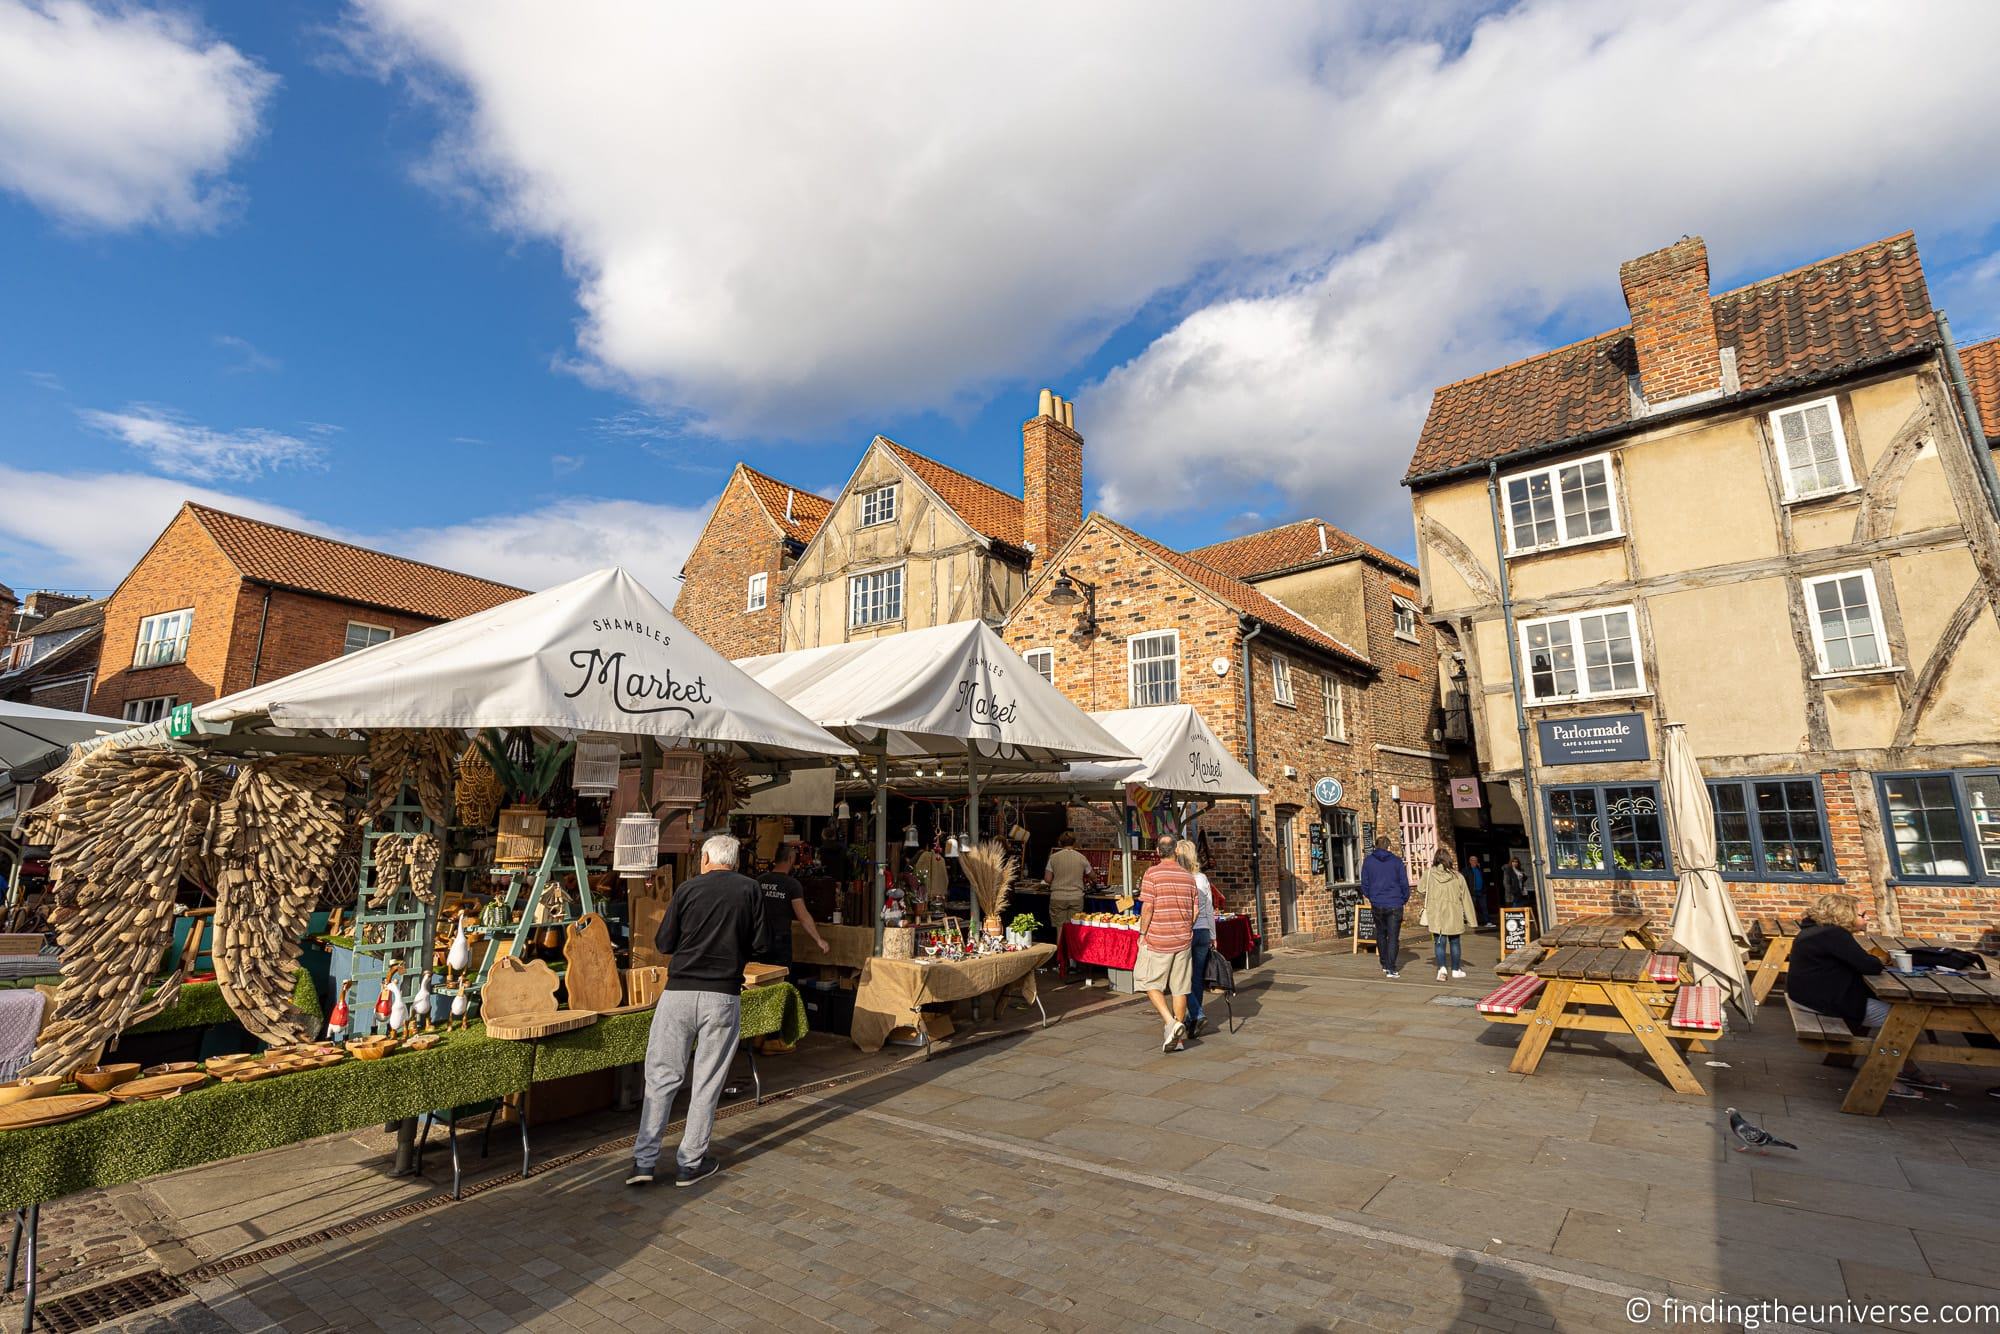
x=1448, y=912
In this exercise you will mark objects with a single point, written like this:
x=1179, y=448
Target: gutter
x=1531, y=817
x=1252, y=628
x=263, y=619
x=1969, y=406
x=1732, y=403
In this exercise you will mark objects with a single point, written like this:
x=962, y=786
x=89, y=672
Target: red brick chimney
x=1673, y=324
x=1051, y=476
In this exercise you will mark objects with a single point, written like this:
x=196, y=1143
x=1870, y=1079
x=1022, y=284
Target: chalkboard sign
x=1364, y=928
x=1345, y=898
x=1517, y=928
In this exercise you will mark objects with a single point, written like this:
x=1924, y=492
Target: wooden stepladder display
x=533, y=901
x=399, y=929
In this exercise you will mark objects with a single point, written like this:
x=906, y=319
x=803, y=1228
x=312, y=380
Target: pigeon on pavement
x=1754, y=1137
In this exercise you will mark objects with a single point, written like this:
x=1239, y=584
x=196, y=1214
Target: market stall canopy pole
x=1705, y=922
x=29, y=732
x=597, y=654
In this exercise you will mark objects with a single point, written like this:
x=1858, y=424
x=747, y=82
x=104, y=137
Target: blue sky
x=510, y=286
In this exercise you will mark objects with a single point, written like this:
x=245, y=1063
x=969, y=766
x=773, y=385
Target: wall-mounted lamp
x=1068, y=590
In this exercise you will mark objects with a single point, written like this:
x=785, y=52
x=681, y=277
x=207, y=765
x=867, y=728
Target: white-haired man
x=712, y=926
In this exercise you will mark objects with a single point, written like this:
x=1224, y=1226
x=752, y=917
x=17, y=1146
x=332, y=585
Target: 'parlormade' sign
x=1602, y=740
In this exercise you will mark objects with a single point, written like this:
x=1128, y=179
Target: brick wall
x=183, y=568
x=1136, y=595
x=72, y=693
x=300, y=631
x=1051, y=479
x=740, y=541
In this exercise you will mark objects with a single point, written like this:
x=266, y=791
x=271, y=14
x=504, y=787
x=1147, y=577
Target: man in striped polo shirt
x=1166, y=943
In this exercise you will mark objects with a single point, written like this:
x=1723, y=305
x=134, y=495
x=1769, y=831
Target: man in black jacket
x=711, y=929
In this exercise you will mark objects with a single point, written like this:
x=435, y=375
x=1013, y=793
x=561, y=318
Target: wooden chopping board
x=592, y=976
x=515, y=989
x=48, y=1111
x=523, y=1027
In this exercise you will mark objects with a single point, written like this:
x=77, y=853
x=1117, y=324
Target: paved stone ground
x=1353, y=1155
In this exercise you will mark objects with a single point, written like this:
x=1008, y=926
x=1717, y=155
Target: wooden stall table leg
x=1651, y=1032
x=1541, y=1027
x=34, y=1248
x=1885, y=1059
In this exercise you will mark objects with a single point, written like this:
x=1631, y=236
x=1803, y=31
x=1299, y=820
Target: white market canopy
x=597, y=654
x=946, y=692
x=29, y=733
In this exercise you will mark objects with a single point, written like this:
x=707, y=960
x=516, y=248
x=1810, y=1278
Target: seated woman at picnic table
x=1448, y=912
x=1827, y=968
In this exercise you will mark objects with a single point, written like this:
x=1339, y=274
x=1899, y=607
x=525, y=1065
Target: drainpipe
x=1982, y=453
x=1531, y=818
x=1251, y=629
x=257, y=658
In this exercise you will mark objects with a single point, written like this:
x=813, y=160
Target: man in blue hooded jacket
x=1385, y=883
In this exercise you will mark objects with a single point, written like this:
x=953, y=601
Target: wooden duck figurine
x=459, y=1006
x=391, y=995
x=421, y=1002
x=336, y=1023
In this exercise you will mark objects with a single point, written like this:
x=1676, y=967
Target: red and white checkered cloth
x=1663, y=968
x=1512, y=996
x=1698, y=1007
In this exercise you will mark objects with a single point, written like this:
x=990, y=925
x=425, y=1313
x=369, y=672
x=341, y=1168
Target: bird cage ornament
x=636, y=854
x=594, y=771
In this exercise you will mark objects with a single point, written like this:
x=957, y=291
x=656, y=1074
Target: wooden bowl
x=34, y=1086
x=173, y=1068
x=373, y=1050
x=104, y=1078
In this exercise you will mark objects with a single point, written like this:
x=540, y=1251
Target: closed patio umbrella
x=1705, y=922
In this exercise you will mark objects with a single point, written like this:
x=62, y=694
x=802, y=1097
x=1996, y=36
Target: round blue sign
x=1328, y=791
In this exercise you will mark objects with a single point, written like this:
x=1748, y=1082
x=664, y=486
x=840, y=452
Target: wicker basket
x=523, y=831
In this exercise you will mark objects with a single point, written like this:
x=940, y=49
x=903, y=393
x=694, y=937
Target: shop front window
x=1770, y=829
x=1943, y=826
x=1343, y=845
x=1610, y=830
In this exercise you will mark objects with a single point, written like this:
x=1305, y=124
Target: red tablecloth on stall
x=1105, y=946
x=1234, y=937
x=1118, y=946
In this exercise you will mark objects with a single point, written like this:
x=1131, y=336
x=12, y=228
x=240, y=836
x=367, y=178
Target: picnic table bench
x=1595, y=989
x=1770, y=953
x=1918, y=1003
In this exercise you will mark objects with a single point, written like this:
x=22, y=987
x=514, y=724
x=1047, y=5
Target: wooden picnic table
x=1920, y=1003
x=1597, y=989
x=1610, y=930
x=1770, y=953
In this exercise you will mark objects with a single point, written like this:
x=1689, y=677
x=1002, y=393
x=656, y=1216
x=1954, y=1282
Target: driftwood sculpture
x=421, y=758
x=278, y=836
x=124, y=820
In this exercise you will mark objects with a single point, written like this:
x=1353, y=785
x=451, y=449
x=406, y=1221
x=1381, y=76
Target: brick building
x=53, y=663
x=1164, y=627
x=220, y=602
x=732, y=584
x=1767, y=514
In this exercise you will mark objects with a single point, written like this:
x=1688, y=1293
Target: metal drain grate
x=112, y=1301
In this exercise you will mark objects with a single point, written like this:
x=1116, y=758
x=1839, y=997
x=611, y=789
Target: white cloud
x=176, y=445
x=250, y=359
x=121, y=116
x=84, y=531
x=864, y=209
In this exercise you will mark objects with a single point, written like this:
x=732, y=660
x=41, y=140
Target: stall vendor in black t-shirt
x=784, y=903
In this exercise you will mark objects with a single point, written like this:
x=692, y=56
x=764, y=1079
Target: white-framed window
x=1846, y=621
x=1333, y=709
x=149, y=710
x=876, y=597
x=1419, y=821
x=163, y=638
x=1153, y=667
x=361, y=635
x=1812, y=449
x=756, y=594
x=1584, y=655
x=1043, y=660
x=1560, y=505
x=878, y=504
x=1406, y=617
x=1281, y=681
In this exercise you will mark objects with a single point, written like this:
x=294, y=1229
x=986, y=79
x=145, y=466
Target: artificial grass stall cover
x=200, y=1004
x=620, y=1039
x=131, y=1141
